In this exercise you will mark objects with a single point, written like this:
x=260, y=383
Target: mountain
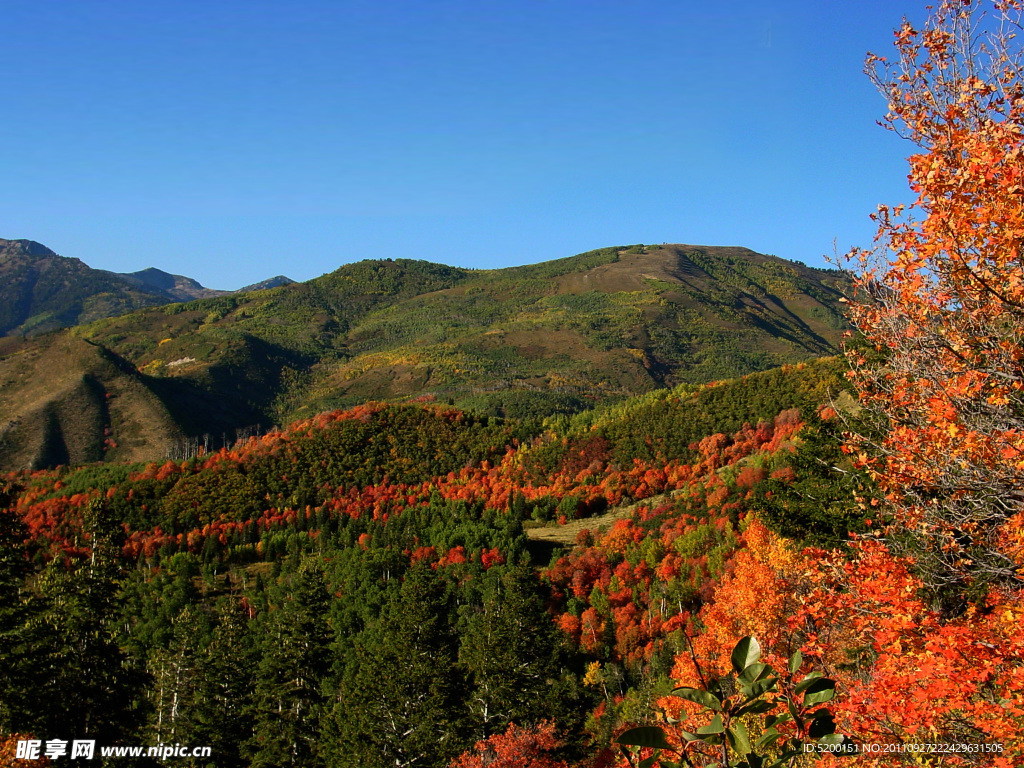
x=177, y=287
x=67, y=401
x=402, y=536
x=270, y=282
x=41, y=291
x=545, y=338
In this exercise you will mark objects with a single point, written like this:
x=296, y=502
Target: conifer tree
x=517, y=658
x=402, y=700
x=224, y=718
x=289, y=683
x=175, y=671
x=17, y=653
x=90, y=687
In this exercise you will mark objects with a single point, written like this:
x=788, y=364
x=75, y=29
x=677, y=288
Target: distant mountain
x=41, y=291
x=272, y=282
x=177, y=287
x=547, y=338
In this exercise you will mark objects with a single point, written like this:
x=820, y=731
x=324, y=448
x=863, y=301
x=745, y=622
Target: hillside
x=174, y=287
x=65, y=400
x=555, y=337
x=41, y=291
x=385, y=535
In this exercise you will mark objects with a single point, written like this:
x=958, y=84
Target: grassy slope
x=65, y=400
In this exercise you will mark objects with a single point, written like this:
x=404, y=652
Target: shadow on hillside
x=541, y=551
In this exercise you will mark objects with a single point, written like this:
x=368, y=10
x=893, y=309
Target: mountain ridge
x=41, y=291
x=534, y=340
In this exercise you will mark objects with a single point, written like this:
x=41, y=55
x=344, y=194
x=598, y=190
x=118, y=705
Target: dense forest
x=361, y=588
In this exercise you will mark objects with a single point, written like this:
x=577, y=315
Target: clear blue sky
x=231, y=141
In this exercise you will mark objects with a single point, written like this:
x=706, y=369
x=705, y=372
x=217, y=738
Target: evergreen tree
x=402, y=699
x=18, y=655
x=519, y=662
x=224, y=717
x=176, y=678
x=295, y=645
x=90, y=688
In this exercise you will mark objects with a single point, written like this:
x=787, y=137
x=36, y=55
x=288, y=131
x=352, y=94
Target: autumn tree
x=940, y=303
x=515, y=748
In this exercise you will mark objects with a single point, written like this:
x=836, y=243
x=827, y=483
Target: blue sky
x=231, y=141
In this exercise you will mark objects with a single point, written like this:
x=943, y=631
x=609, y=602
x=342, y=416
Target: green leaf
x=832, y=738
x=795, y=713
x=819, y=691
x=746, y=652
x=738, y=739
x=804, y=684
x=822, y=726
x=759, y=688
x=772, y=720
x=768, y=738
x=754, y=673
x=795, y=661
x=648, y=762
x=753, y=761
x=704, y=698
x=644, y=736
x=690, y=736
x=715, y=726
x=785, y=757
x=756, y=707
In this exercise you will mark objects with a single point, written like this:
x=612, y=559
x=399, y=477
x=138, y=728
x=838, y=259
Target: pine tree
x=401, y=701
x=176, y=677
x=295, y=645
x=90, y=688
x=224, y=717
x=518, y=660
x=18, y=655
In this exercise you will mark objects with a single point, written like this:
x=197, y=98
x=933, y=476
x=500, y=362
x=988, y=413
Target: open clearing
x=565, y=535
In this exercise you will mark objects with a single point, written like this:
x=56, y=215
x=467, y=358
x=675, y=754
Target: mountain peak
x=176, y=287
x=13, y=248
x=270, y=282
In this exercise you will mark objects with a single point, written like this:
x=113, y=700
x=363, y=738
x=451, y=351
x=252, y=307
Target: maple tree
x=515, y=748
x=941, y=301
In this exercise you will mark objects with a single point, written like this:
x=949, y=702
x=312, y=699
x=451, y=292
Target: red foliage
x=516, y=748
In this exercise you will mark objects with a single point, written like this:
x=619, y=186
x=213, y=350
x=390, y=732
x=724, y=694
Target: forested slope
x=354, y=544
x=548, y=338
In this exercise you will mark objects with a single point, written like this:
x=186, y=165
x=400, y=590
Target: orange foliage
x=9, y=751
x=906, y=672
x=942, y=301
x=754, y=599
x=516, y=748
